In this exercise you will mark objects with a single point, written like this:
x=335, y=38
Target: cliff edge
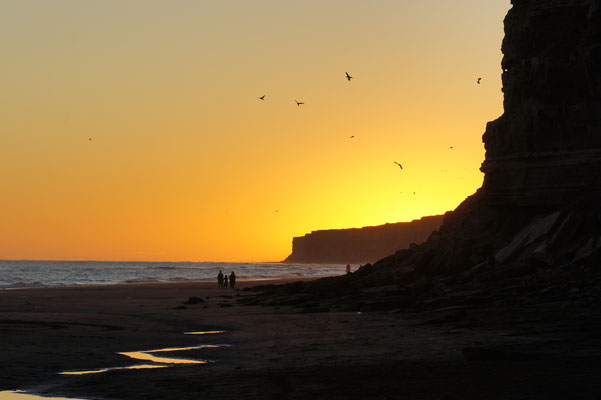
x=361, y=245
x=539, y=205
x=515, y=270
x=532, y=232
x=546, y=147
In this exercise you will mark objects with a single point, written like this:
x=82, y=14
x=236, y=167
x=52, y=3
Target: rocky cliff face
x=534, y=228
x=355, y=246
x=539, y=206
x=520, y=260
x=543, y=155
x=546, y=148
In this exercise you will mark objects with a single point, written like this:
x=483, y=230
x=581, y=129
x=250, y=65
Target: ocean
x=22, y=274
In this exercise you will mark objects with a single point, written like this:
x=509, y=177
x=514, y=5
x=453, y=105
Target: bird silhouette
x=262, y=97
x=450, y=147
x=352, y=136
x=90, y=139
x=479, y=79
x=298, y=103
x=398, y=165
x=348, y=77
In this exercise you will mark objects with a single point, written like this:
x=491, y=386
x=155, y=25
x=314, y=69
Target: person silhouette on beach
x=225, y=281
x=220, y=279
x=232, y=279
x=348, y=269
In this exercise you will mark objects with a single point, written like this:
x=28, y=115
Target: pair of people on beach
x=223, y=281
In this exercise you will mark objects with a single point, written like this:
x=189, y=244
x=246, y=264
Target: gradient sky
x=186, y=163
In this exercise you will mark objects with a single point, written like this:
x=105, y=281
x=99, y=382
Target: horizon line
x=142, y=261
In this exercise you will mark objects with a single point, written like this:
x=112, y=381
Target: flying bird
x=90, y=139
x=450, y=147
x=299, y=103
x=352, y=136
x=398, y=165
x=262, y=97
x=348, y=77
x=479, y=79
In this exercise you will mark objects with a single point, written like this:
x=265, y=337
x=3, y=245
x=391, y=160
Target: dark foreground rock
x=480, y=258
x=194, y=300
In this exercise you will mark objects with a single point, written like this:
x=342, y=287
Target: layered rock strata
x=546, y=148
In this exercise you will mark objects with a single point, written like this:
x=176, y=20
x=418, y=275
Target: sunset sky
x=187, y=164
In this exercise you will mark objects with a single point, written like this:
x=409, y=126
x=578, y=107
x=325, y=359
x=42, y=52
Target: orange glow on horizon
x=187, y=164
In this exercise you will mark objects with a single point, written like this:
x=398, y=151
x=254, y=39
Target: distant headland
x=361, y=245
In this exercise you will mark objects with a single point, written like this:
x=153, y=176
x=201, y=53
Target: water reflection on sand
x=97, y=371
x=147, y=356
x=19, y=395
x=144, y=355
x=203, y=332
x=150, y=355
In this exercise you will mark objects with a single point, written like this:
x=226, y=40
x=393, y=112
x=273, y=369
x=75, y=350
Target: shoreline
x=200, y=283
x=58, y=274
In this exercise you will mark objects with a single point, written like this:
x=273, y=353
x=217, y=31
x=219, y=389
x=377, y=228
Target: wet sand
x=282, y=352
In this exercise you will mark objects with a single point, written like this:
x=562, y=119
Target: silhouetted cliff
x=539, y=204
x=532, y=232
x=519, y=260
x=546, y=147
x=361, y=245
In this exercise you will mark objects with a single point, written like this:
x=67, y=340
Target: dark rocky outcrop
x=532, y=232
x=194, y=300
x=546, y=148
x=362, y=245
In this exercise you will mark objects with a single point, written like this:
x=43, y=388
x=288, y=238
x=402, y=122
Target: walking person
x=225, y=282
x=220, y=279
x=232, y=279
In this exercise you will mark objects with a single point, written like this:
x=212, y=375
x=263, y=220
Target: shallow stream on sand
x=19, y=395
x=151, y=356
x=156, y=360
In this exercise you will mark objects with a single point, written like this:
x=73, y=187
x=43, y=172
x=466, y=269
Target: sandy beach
x=278, y=352
x=430, y=169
